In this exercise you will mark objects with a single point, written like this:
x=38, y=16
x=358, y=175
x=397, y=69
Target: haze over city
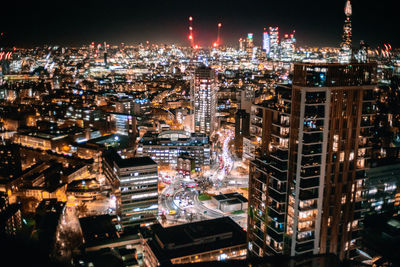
x=78, y=22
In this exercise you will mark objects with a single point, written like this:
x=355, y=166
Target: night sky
x=317, y=23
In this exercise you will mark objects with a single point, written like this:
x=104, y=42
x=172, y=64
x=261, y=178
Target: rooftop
x=113, y=156
x=193, y=238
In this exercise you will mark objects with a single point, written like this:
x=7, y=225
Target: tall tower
x=249, y=43
x=305, y=188
x=266, y=44
x=274, y=43
x=345, y=46
x=288, y=47
x=204, y=93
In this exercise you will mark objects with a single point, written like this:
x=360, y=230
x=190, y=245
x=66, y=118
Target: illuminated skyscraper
x=249, y=43
x=345, y=46
x=266, y=44
x=288, y=47
x=241, y=44
x=306, y=187
x=204, y=92
x=274, y=43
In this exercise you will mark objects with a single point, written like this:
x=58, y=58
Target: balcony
x=305, y=236
x=314, y=111
x=309, y=138
x=315, y=98
x=283, y=124
x=312, y=149
x=280, y=135
x=308, y=194
x=280, y=154
x=311, y=161
x=309, y=183
x=305, y=247
x=310, y=172
x=279, y=197
x=308, y=205
x=281, y=166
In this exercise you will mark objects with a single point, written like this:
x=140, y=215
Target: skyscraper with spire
x=345, y=46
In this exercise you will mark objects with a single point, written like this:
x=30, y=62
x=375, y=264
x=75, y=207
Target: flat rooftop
x=113, y=156
x=193, y=238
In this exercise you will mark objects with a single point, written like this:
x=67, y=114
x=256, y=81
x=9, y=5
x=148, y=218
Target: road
x=182, y=205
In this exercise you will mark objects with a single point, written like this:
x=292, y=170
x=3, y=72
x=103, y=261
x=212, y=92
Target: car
x=172, y=212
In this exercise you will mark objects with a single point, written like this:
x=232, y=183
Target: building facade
x=167, y=147
x=135, y=181
x=204, y=89
x=306, y=186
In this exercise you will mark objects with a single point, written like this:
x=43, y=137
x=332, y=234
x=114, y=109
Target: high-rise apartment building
x=204, y=89
x=306, y=185
x=135, y=181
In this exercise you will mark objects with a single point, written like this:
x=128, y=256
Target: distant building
x=266, y=42
x=249, y=43
x=345, y=53
x=274, y=43
x=41, y=140
x=10, y=161
x=86, y=189
x=44, y=180
x=382, y=190
x=135, y=181
x=204, y=90
x=288, y=46
x=165, y=148
x=212, y=240
x=10, y=216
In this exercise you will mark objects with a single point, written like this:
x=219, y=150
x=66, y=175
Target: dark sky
x=319, y=23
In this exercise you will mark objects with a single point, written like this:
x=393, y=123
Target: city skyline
x=159, y=22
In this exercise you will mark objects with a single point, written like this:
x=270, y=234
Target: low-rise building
x=230, y=202
x=211, y=240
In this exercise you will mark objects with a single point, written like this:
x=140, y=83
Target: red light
x=190, y=37
x=286, y=36
x=220, y=25
x=215, y=44
x=190, y=28
x=196, y=46
x=190, y=18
